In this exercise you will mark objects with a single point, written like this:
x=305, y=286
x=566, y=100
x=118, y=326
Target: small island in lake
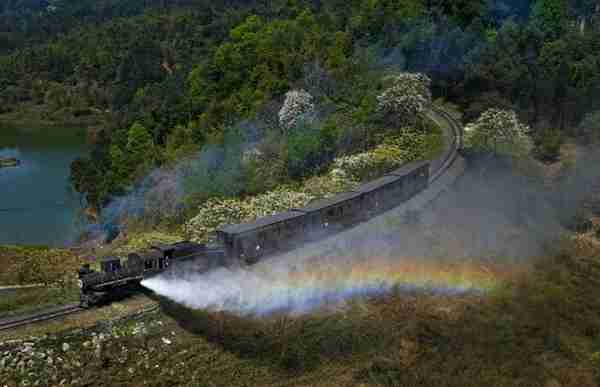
x=9, y=162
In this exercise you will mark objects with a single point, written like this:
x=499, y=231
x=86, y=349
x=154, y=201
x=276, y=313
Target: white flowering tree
x=407, y=96
x=217, y=212
x=408, y=145
x=499, y=132
x=298, y=107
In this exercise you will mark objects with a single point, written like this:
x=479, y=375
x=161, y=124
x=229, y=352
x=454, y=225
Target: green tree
x=304, y=151
x=550, y=141
x=140, y=149
x=121, y=169
x=550, y=15
x=180, y=143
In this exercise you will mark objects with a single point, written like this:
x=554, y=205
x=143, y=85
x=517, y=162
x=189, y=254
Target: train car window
x=148, y=264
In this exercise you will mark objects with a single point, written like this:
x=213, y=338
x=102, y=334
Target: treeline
x=176, y=74
x=27, y=22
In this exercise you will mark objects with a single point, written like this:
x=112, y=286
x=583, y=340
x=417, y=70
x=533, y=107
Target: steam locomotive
x=116, y=274
x=247, y=243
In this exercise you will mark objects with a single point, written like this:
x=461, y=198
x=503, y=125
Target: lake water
x=36, y=204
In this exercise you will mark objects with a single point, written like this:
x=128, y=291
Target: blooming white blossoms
x=365, y=165
x=498, y=131
x=298, y=106
x=217, y=212
x=407, y=145
x=346, y=172
x=408, y=95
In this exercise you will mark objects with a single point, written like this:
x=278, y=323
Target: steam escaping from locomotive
x=277, y=287
x=470, y=240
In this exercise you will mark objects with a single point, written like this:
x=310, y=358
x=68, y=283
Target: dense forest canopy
x=175, y=74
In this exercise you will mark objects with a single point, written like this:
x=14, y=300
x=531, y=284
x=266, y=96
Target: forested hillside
x=176, y=76
x=35, y=21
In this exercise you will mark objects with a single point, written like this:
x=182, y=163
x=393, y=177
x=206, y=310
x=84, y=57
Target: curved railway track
x=443, y=163
x=439, y=167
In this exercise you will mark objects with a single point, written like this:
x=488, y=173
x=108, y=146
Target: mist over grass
x=488, y=228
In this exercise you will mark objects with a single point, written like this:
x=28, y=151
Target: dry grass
x=539, y=330
x=30, y=300
x=55, y=268
x=32, y=265
x=82, y=320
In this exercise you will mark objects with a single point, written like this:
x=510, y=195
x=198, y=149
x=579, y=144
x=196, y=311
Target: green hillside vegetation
x=186, y=71
x=220, y=112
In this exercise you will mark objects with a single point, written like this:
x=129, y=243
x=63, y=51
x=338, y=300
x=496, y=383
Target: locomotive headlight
x=80, y=284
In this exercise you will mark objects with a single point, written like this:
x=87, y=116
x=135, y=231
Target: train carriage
x=416, y=177
x=381, y=194
x=328, y=215
x=251, y=241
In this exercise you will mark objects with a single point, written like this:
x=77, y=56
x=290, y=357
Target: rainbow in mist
x=300, y=289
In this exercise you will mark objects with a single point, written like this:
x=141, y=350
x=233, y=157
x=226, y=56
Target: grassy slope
x=33, y=265
x=539, y=330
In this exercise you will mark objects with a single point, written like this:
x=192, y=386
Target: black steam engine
x=118, y=274
x=249, y=242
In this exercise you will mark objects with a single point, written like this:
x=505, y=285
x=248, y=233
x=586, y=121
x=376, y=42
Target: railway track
x=443, y=163
x=439, y=167
x=44, y=315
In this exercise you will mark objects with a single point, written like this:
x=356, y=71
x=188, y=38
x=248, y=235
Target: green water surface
x=36, y=204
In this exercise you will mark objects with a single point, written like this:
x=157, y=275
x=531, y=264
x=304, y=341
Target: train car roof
x=377, y=183
x=260, y=222
x=318, y=205
x=176, y=245
x=408, y=168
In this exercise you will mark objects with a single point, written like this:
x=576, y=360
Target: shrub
x=549, y=147
x=264, y=172
x=304, y=156
x=499, y=132
x=27, y=265
x=407, y=97
x=298, y=107
x=407, y=145
x=217, y=212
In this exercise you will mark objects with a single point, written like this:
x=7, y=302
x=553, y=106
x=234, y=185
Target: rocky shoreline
x=9, y=162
